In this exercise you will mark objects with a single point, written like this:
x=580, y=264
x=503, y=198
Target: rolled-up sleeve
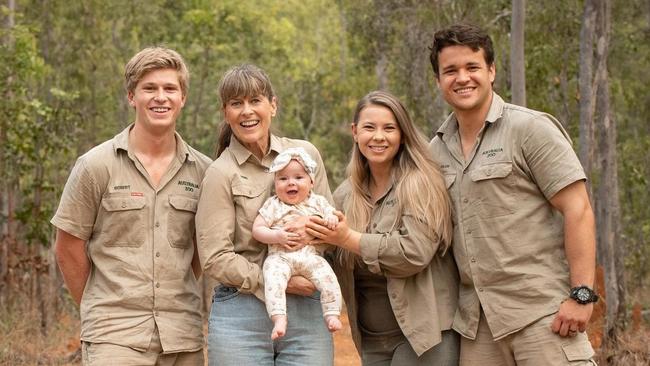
x=215, y=227
x=399, y=253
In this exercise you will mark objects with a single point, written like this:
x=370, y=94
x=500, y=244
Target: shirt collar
x=242, y=154
x=389, y=189
x=450, y=126
x=121, y=142
x=496, y=109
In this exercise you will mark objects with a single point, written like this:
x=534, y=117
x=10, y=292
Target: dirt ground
x=63, y=347
x=344, y=352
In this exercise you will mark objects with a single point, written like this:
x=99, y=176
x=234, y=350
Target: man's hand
x=299, y=285
x=571, y=318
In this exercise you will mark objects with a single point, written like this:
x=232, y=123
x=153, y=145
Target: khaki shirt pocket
x=123, y=222
x=494, y=189
x=180, y=221
x=248, y=200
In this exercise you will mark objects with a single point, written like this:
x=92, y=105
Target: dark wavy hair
x=461, y=34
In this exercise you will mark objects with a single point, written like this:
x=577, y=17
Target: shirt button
x=156, y=313
x=480, y=289
x=123, y=204
x=469, y=232
x=157, y=254
x=465, y=200
x=473, y=260
x=157, y=224
x=157, y=284
x=374, y=225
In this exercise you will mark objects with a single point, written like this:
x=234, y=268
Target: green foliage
x=33, y=131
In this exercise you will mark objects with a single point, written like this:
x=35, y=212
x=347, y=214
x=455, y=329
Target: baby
x=294, y=178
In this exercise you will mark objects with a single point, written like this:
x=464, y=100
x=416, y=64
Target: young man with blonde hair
x=125, y=229
x=524, y=237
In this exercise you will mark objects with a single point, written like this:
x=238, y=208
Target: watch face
x=583, y=294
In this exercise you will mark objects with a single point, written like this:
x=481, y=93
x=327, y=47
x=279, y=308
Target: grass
x=22, y=342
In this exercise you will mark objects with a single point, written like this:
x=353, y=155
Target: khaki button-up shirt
x=422, y=286
x=139, y=240
x=508, y=239
x=235, y=187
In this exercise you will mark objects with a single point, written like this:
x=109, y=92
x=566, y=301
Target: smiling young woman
x=392, y=261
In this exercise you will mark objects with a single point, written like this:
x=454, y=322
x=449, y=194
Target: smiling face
x=292, y=183
x=465, y=79
x=157, y=99
x=377, y=135
x=250, y=121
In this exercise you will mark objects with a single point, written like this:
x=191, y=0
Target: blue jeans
x=239, y=332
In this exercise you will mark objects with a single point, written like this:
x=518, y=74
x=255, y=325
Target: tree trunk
x=585, y=80
x=343, y=56
x=565, y=114
x=595, y=110
x=198, y=101
x=517, y=61
x=382, y=30
x=5, y=187
x=11, y=9
x=610, y=250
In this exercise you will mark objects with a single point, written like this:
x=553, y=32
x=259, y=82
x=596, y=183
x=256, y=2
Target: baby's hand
x=332, y=221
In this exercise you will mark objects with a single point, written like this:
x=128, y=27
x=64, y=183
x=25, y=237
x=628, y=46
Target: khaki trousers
x=533, y=345
x=107, y=354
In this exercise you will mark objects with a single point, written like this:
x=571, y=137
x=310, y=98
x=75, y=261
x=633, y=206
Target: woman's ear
x=274, y=106
x=353, y=126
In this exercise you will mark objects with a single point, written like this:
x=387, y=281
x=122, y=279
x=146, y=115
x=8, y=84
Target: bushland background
x=61, y=65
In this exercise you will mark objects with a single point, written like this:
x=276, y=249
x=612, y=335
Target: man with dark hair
x=125, y=229
x=524, y=237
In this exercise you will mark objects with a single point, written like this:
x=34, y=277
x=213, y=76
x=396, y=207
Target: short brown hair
x=244, y=80
x=461, y=34
x=155, y=58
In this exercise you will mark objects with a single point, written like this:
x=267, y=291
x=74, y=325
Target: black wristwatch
x=583, y=295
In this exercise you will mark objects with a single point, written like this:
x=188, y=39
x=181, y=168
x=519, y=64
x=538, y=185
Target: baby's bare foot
x=333, y=323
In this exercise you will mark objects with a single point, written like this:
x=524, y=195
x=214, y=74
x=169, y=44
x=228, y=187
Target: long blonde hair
x=419, y=184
